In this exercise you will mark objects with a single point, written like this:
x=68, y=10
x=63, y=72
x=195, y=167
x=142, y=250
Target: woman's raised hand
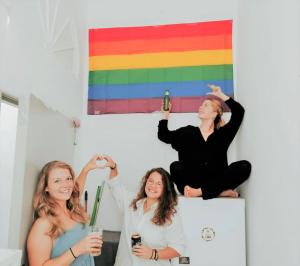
x=217, y=91
x=166, y=113
x=93, y=163
x=99, y=161
x=109, y=161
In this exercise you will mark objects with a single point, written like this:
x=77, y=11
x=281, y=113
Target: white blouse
x=153, y=236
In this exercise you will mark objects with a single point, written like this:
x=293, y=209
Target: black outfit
x=203, y=164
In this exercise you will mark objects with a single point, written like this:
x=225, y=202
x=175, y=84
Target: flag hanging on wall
x=131, y=67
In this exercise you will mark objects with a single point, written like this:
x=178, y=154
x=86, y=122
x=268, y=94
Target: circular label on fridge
x=208, y=234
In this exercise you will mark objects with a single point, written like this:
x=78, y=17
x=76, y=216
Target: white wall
x=33, y=61
x=268, y=77
x=40, y=54
x=113, y=13
x=132, y=139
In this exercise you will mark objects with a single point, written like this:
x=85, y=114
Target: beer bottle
x=166, y=104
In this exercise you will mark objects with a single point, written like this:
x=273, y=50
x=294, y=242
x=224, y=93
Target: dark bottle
x=136, y=240
x=166, y=104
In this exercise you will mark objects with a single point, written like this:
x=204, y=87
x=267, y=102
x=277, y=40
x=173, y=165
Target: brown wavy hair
x=44, y=205
x=166, y=203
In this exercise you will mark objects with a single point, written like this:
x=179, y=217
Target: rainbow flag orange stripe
x=131, y=67
x=176, y=44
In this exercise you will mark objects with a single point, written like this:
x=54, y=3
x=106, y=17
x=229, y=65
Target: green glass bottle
x=166, y=104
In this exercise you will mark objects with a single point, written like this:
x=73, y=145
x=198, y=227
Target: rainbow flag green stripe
x=155, y=75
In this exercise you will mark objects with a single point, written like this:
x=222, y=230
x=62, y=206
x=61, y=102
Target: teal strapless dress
x=70, y=238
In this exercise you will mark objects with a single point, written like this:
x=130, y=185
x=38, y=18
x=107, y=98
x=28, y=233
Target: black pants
x=211, y=185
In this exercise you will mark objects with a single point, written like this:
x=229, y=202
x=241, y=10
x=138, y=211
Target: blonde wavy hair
x=44, y=205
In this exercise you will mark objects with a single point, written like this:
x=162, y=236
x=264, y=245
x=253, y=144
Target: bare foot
x=192, y=192
x=229, y=193
x=186, y=191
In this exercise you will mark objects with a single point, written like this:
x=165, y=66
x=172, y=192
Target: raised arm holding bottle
x=202, y=169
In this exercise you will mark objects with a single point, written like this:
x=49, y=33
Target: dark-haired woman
x=202, y=169
x=59, y=235
x=151, y=214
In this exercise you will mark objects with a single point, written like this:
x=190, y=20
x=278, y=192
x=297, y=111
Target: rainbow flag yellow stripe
x=158, y=60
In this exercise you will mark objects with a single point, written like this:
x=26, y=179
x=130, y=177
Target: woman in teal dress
x=59, y=235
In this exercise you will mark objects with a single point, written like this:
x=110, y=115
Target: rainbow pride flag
x=131, y=67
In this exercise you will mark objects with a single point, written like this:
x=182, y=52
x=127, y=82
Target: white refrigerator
x=214, y=231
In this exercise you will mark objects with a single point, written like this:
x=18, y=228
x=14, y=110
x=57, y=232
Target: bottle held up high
x=166, y=104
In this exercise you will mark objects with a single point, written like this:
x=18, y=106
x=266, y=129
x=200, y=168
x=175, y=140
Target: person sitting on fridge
x=152, y=231
x=59, y=235
x=202, y=169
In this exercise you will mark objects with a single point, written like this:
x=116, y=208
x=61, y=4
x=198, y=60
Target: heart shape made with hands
x=101, y=163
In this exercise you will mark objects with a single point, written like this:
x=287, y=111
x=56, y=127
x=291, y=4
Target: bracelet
x=112, y=168
x=156, y=255
x=73, y=253
x=151, y=258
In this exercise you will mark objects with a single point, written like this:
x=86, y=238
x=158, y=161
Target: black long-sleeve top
x=210, y=156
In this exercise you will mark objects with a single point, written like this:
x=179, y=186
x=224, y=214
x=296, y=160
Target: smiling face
x=207, y=110
x=154, y=186
x=60, y=184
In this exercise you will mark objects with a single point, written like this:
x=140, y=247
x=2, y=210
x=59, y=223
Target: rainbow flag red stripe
x=131, y=67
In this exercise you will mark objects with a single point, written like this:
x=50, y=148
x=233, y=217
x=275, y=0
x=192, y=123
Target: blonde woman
x=59, y=235
x=202, y=169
